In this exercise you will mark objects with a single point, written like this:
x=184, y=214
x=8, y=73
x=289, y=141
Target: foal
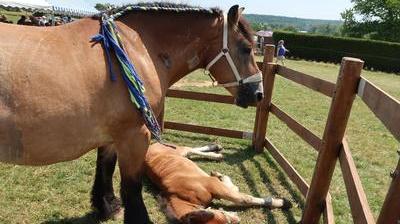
x=187, y=190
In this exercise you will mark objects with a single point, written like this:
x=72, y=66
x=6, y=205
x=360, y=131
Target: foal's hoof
x=216, y=174
x=286, y=204
x=110, y=208
x=215, y=148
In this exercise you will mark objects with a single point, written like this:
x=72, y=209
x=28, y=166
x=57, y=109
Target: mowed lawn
x=13, y=16
x=60, y=193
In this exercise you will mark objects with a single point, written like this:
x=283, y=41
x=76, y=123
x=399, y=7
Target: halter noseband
x=225, y=52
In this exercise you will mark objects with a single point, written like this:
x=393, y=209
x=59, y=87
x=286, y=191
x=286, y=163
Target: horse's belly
x=53, y=142
x=36, y=141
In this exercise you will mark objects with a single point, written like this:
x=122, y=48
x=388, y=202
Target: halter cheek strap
x=225, y=52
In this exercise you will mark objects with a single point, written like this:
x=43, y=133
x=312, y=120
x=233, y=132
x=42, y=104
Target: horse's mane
x=170, y=7
x=160, y=7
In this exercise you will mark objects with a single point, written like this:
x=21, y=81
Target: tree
x=103, y=7
x=375, y=19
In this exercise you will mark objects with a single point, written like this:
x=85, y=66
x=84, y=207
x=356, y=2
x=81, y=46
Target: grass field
x=60, y=193
x=13, y=16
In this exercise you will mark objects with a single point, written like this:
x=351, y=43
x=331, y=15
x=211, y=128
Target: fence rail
x=332, y=147
x=207, y=130
x=358, y=201
x=296, y=127
x=316, y=84
x=384, y=106
x=208, y=97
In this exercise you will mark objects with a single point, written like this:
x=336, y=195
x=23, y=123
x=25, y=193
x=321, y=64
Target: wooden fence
x=332, y=147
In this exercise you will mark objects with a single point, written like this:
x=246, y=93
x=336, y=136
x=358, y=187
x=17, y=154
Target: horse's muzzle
x=249, y=94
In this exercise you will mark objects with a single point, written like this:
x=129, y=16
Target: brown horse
x=57, y=101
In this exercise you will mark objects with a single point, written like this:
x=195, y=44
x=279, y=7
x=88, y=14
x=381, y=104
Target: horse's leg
x=208, y=152
x=225, y=189
x=104, y=202
x=206, y=155
x=131, y=147
x=209, y=148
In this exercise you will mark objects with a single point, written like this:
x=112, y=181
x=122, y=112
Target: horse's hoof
x=215, y=148
x=286, y=204
x=110, y=208
x=119, y=215
x=216, y=174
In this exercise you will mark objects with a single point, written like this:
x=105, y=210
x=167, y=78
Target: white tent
x=27, y=4
x=73, y=7
x=70, y=7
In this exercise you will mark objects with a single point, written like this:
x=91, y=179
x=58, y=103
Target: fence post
x=260, y=124
x=390, y=212
x=342, y=101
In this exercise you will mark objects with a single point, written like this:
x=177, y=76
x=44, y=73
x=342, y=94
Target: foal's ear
x=234, y=14
x=197, y=217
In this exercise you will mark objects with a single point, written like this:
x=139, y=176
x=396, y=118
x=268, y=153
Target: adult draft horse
x=57, y=101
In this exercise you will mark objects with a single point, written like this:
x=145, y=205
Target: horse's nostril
x=259, y=96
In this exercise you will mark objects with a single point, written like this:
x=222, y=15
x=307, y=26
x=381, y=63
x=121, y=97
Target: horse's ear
x=234, y=14
x=197, y=217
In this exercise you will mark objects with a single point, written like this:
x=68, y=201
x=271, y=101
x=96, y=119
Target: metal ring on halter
x=225, y=53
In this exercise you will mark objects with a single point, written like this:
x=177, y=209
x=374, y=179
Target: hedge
x=378, y=55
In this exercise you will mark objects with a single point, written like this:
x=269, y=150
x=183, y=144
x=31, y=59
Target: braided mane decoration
x=111, y=41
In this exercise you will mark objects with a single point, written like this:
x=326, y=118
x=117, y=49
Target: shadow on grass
x=88, y=218
x=283, y=179
x=248, y=154
x=171, y=135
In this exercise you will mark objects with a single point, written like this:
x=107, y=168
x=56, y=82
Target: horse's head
x=232, y=61
x=210, y=216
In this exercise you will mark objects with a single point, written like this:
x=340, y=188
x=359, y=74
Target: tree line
x=369, y=19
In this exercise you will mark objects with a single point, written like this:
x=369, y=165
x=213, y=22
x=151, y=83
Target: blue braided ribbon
x=111, y=40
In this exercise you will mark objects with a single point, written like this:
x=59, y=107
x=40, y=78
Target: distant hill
x=298, y=23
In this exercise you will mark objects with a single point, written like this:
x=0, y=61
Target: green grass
x=13, y=16
x=60, y=193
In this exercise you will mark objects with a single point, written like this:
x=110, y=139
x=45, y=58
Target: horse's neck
x=177, y=44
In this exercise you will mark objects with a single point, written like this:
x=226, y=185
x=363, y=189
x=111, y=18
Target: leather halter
x=225, y=52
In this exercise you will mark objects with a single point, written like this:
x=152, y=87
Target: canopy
x=73, y=7
x=70, y=7
x=27, y=4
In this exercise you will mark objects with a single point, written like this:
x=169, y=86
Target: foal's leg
x=223, y=188
x=209, y=148
x=131, y=149
x=208, y=152
x=104, y=201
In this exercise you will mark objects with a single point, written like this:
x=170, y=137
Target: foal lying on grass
x=187, y=190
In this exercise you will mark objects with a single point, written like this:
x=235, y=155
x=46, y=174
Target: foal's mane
x=168, y=7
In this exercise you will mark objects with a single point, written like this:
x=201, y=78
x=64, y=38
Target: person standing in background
x=281, y=52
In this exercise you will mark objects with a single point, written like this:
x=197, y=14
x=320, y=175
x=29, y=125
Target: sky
x=312, y=9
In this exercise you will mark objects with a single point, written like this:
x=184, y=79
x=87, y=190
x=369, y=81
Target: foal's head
x=210, y=216
x=232, y=61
